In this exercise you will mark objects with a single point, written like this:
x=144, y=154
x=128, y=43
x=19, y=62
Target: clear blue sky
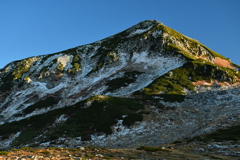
x=36, y=27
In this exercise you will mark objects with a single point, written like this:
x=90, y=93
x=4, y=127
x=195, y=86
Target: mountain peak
x=126, y=74
x=147, y=23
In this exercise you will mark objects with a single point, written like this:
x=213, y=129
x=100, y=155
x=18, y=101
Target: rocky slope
x=146, y=85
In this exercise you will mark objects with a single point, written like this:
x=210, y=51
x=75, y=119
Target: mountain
x=146, y=85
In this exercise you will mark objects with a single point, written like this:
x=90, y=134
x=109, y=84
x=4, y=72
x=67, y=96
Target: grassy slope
x=174, y=81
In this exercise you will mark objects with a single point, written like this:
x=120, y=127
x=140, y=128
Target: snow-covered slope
x=145, y=60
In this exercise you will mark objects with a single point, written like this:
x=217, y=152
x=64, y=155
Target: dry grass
x=175, y=152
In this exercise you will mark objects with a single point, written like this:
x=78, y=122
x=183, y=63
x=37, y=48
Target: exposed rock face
x=144, y=61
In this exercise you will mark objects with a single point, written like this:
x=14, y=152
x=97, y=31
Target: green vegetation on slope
x=23, y=66
x=3, y=153
x=229, y=134
x=49, y=101
x=6, y=82
x=99, y=117
x=193, y=44
x=176, y=80
x=82, y=121
x=75, y=64
x=128, y=78
x=152, y=149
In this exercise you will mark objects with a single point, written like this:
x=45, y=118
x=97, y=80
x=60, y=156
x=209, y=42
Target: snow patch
x=139, y=31
x=156, y=33
x=6, y=143
x=154, y=67
x=64, y=60
x=61, y=119
x=45, y=144
x=47, y=63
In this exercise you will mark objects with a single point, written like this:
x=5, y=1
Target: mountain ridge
x=134, y=72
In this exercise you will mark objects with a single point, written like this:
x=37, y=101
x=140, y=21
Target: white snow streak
x=6, y=143
x=139, y=31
